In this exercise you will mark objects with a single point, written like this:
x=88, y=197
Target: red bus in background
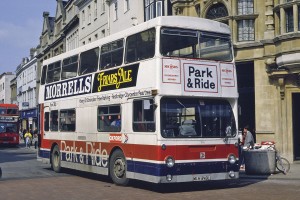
x=9, y=124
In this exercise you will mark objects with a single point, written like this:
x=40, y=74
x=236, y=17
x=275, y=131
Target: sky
x=21, y=24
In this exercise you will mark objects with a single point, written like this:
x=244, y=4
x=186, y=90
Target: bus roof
x=171, y=21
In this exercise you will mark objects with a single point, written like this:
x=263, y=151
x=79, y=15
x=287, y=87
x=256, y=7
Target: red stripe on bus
x=149, y=152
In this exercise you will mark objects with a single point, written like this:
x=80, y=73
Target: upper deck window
x=140, y=46
x=89, y=61
x=112, y=54
x=53, y=73
x=69, y=67
x=44, y=73
x=195, y=44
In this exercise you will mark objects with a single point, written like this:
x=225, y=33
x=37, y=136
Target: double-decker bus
x=156, y=102
x=9, y=124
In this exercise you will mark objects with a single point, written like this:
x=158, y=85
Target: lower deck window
x=109, y=118
x=67, y=119
x=143, y=116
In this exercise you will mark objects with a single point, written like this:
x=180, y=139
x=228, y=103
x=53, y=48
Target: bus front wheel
x=118, y=168
x=55, y=159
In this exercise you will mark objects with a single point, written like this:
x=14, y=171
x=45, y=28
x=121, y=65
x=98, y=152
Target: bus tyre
x=55, y=159
x=118, y=168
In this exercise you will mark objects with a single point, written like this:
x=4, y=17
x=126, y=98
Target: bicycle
x=281, y=163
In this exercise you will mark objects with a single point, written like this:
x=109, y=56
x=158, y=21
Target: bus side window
x=140, y=46
x=112, y=54
x=54, y=120
x=109, y=118
x=143, y=116
x=46, y=121
x=53, y=73
x=44, y=73
x=69, y=67
x=67, y=120
x=89, y=61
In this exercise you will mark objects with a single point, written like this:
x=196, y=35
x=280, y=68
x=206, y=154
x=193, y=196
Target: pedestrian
x=31, y=132
x=27, y=137
x=249, y=140
x=248, y=143
x=35, y=140
x=24, y=132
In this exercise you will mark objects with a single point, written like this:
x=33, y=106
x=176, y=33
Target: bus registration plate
x=201, y=178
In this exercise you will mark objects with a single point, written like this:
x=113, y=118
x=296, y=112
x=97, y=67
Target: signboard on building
x=25, y=104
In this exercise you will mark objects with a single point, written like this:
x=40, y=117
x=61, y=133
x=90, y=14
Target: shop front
x=29, y=119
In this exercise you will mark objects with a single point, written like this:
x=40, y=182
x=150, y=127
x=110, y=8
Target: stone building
x=266, y=41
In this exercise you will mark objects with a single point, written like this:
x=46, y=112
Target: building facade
x=13, y=89
x=266, y=41
x=26, y=91
x=5, y=91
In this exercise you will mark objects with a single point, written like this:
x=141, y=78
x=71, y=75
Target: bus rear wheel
x=118, y=168
x=55, y=159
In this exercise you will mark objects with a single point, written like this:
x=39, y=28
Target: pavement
x=293, y=174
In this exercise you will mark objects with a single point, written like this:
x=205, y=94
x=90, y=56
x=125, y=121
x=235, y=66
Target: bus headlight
x=231, y=159
x=170, y=162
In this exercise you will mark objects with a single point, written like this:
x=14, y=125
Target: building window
x=245, y=7
x=83, y=17
x=95, y=8
x=115, y=11
x=153, y=8
x=103, y=6
x=103, y=33
x=126, y=5
x=246, y=30
x=289, y=20
x=298, y=18
x=89, y=15
x=198, y=10
x=217, y=11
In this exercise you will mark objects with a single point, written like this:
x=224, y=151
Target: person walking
x=27, y=137
x=249, y=140
x=248, y=143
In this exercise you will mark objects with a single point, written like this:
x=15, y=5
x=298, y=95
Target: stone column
x=295, y=15
x=282, y=21
x=270, y=30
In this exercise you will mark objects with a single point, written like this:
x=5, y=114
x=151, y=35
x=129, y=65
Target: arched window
x=217, y=11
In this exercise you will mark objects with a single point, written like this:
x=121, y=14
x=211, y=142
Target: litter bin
x=259, y=161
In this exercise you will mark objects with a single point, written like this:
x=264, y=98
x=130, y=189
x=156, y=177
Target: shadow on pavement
x=172, y=187
x=14, y=153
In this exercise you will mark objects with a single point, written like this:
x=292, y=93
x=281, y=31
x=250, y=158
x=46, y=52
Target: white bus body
x=159, y=104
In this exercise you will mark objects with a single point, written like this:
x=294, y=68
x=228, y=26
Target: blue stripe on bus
x=154, y=169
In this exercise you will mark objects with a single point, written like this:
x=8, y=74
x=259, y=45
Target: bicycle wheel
x=283, y=165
